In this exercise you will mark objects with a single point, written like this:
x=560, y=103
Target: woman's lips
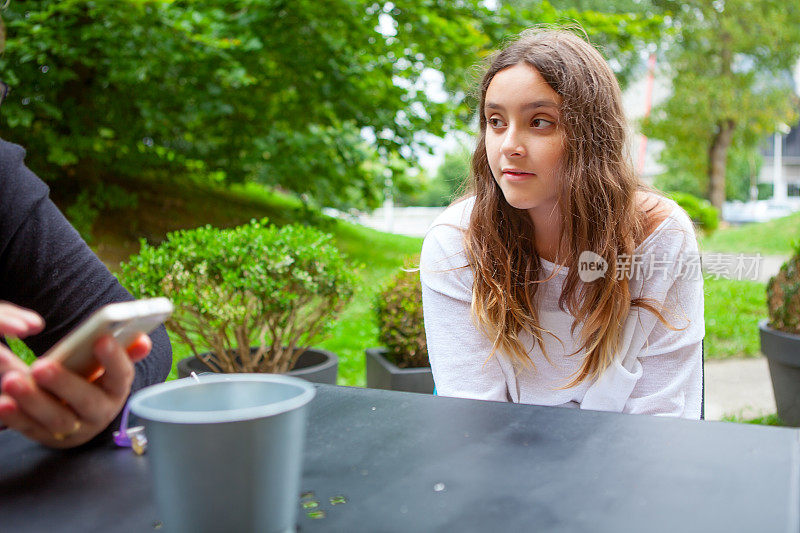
x=517, y=175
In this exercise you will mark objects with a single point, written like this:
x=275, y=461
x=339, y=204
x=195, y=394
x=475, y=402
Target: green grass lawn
x=733, y=308
x=769, y=238
x=768, y=420
x=380, y=256
x=732, y=311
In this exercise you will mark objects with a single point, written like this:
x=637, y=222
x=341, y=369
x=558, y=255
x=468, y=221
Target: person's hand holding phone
x=55, y=406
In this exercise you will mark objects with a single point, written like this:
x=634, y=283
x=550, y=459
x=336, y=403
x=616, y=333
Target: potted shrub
x=402, y=364
x=247, y=299
x=780, y=338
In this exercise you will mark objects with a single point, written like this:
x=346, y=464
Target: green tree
x=623, y=30
x=445, y=186
x=452, y=174
x=278, y=91
x=730, y=64
x=319, y=98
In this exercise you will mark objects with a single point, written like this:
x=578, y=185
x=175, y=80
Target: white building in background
x=782, y=148
x=781, y=168
x=786, y=150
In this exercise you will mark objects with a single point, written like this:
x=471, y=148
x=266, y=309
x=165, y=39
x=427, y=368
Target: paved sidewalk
x=740, y=387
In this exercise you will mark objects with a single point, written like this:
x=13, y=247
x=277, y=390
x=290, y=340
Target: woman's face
x=524, y=141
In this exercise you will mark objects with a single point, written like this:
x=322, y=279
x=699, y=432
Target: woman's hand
x=54, y=406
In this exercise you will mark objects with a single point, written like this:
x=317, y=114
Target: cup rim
x=307, y=393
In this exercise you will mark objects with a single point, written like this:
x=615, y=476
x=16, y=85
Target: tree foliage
x=730, y=63
x=454, y=171
x=622, y=30
x=319, y=98
x=446, y=185
x=275, y=90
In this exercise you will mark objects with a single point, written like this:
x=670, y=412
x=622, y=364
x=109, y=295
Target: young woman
x=561, y=279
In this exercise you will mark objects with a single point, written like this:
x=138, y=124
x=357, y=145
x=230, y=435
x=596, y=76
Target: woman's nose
x=512, y=144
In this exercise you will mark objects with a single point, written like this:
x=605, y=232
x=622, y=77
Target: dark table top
x=413, y=462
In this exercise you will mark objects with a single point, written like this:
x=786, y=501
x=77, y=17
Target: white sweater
x=658, y=372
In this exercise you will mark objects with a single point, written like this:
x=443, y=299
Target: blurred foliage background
x=328, y=100
x=322, y=99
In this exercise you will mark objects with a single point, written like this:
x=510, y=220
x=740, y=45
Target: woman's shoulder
x=443, y=251
x=456, y=215
x=449, y=228
x=666, y=223
x=656, y=209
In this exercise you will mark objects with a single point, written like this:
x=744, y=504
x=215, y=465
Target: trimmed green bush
x=276, y=289
x=700, y=210
x=783, y=295
x=401, y=328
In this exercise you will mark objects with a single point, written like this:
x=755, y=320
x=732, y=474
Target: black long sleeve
x=47, y=267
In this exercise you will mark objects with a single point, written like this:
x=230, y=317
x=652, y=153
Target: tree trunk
x=718, y=155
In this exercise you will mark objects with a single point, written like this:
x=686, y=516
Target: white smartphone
x=123, y=320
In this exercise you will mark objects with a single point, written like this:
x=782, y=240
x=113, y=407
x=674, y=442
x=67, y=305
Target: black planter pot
x=383, y=374
x=783, y=354
x=314, y=365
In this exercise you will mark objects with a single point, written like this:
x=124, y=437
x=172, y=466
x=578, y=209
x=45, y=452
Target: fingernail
x=35, y=319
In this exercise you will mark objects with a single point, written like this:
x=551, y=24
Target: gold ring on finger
x=62, y=436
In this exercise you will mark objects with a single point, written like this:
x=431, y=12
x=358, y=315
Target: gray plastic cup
x=226, y=450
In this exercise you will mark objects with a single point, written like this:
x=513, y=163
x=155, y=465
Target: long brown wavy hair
x=597, y=201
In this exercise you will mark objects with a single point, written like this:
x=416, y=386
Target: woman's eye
x=495, y=122
x=541, y=123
